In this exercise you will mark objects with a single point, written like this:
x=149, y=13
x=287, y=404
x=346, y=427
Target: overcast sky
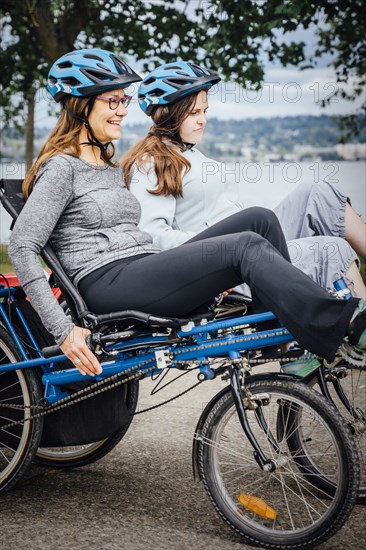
x=286, y=91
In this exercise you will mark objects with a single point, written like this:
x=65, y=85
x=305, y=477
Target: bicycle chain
x=79, y=396
x=76, y=397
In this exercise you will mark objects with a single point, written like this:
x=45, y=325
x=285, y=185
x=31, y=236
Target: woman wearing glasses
x=77, y=199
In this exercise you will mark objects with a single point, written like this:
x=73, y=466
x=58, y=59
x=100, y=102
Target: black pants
x=246, y=247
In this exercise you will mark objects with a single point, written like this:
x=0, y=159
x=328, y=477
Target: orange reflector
x=258, y=506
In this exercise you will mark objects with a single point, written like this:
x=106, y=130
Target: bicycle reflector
x=258, y=506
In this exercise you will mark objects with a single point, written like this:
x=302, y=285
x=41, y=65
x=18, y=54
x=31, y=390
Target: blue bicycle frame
x=223, y=338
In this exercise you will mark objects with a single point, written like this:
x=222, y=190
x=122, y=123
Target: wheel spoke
x=18, y=444
x=299, y=497
x=7, y=388
x=3, y=454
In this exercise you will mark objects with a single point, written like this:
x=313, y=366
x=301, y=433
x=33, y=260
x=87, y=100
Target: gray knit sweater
x=90, y=219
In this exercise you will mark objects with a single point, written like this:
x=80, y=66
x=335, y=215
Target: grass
x=5, y=264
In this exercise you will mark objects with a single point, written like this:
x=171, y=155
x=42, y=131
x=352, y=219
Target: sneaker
x=301, y=368
x=357, y=327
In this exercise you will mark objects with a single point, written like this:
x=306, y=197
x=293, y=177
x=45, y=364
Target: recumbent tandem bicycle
x=278, y=461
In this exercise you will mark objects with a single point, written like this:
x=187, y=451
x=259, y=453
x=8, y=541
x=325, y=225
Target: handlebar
x=151, y=320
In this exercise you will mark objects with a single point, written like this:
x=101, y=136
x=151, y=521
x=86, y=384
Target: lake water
x=263, y=184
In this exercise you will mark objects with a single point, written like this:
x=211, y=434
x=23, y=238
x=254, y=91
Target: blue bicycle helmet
x=88, y=72
x=169, y=83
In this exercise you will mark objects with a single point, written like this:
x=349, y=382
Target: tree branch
x=75, y=20
x=42, y=24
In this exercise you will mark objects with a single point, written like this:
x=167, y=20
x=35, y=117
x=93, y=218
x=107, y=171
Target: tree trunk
x=29, y=129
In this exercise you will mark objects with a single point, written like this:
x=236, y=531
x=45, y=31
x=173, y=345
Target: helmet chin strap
x=92, y=140
x=188, y=145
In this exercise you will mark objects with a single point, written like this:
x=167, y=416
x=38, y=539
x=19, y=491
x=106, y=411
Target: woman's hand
x=75, y=348
x=226, y=292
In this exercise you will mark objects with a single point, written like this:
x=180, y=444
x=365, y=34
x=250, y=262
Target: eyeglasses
x=115, y=101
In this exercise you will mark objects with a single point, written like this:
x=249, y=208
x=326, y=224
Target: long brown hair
x=164, y=145
x=64, y=138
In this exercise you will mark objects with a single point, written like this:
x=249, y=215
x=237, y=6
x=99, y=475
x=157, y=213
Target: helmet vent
x=98, y=75
x=64, y=65
x=157, y=92
x=72, y=81
x=172, y=68
x=92, y=56
x=179, y=82
x=120, y=65
x=198, y=70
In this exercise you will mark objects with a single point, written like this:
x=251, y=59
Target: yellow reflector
x=258, y=506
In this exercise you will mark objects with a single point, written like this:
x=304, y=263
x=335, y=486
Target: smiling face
x=104, y=121
x=193, y=127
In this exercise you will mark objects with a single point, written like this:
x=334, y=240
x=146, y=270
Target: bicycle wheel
x=80, y=455
x=18, y=443
x=347, y=387
x=283, y=508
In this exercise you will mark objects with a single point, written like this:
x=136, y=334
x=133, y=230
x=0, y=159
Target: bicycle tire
x=289, y=426
x=350, y=386
x=18, y=444
x=76, y=456
x=222, y=445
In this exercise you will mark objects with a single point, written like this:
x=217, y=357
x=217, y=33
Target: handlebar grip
x=92, y=340
x=50, y=351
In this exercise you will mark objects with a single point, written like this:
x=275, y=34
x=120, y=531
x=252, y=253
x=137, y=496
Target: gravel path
x=140, y=496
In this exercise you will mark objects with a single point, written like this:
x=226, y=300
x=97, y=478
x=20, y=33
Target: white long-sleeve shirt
x=209, y=196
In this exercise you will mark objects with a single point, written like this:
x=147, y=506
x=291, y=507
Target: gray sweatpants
x=313, y=221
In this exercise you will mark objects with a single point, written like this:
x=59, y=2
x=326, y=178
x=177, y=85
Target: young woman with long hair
x=182, y=192
x=78, y=201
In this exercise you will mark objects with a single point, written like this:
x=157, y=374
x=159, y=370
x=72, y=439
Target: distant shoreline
x=257, y=139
